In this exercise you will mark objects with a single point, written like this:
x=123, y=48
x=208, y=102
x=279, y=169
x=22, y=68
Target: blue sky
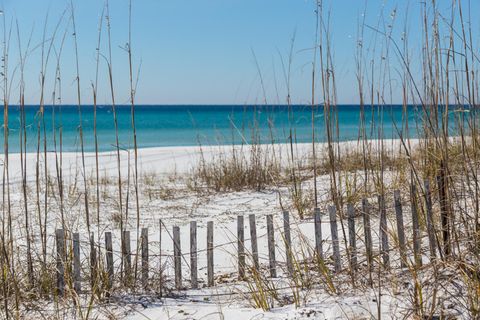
x=201, y=51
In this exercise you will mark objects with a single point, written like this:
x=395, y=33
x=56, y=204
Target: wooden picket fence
x=336, y=261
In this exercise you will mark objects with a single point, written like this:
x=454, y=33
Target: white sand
x=228, y=299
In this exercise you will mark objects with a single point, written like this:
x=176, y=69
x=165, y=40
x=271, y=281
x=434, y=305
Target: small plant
x=241, y=168
x=262, y=290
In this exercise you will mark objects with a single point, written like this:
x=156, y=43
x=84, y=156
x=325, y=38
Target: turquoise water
x=190, y=125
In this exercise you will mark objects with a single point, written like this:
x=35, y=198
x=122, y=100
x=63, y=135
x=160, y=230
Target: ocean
x=189, y=125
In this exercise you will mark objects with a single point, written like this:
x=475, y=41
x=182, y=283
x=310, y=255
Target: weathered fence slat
x=109, y=258
x=417, y=241
x=144, y=238
x=288, y=241
x=253, y=240
x=60, y=240
x=368, y=232
x=193, y=254
x=400, y=228
x=127, y=256
x=210, y=274
x=318, y=233
x=352, y=237
x=442, y=194
x=241, y=248
x=335, y=241
x=177, y=257
x=430, y=225
x=31, y=274
x=160, y=283
x=76, y=263
x=93, y=262
x=384, y=231
x=271, y=247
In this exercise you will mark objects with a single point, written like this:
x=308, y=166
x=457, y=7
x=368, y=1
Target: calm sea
x=188, y=125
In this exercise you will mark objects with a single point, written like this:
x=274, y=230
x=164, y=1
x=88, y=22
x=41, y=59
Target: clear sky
x=200, y=51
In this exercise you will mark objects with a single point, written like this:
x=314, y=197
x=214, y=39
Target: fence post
x=160, y=283
x=318, y=233
x=93, y=262
x=177, y=257
x=400, y=228
x=193, y=254
x=352, y=236
x=127, y=258
x=442, y=194
x=210, y=274
x=368, y=232
x=109, y=258
x=253, y=239
x=145, y=257
x=76, y=263
x=288, y=241
x=31, y=274
x=430, y=225
x=60, y=240
x=384, y=231
x=416, y=227
x=335, y=242
x=241, y=248
x=271, y=246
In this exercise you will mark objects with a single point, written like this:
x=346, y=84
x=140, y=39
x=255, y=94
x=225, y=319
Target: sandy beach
x=165, y=197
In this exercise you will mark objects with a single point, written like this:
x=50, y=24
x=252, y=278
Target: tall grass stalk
x=115, y=119
x=133, y=84
x=80, y=120
x=23, y=153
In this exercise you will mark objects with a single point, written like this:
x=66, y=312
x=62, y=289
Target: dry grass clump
x=353, y=160
x=241, y=168
x=463, y=155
